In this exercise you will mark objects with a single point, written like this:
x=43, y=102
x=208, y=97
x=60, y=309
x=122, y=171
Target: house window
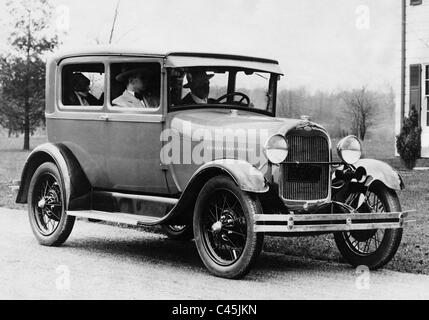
x=416, y=88
x=427, y=93
x=415, y=2
x=427, y=81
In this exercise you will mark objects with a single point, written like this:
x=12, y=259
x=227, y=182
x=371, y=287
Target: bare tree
x=361, y=107
x=292, y=103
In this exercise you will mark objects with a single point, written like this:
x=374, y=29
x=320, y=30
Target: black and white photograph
x=232, y=152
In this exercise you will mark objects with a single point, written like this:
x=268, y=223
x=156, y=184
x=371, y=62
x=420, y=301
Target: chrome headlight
x=349, y=149
x=276, y=148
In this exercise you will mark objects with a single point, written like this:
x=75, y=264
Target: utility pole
x=27, y=88
x=403, y=51
x=114, y=22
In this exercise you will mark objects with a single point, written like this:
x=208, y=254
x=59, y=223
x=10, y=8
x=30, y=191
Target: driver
x=199, y=84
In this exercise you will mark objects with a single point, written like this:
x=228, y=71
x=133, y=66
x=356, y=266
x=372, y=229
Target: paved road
x=106, y=262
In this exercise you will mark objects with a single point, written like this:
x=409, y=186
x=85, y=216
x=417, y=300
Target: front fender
x=247, y=177
x=381, y=171
x=75, y=183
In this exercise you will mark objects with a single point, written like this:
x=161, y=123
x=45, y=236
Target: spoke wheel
x=366, y=242
x=47, y=203
x=223, y=228
x=373, y=248
x=46, y=208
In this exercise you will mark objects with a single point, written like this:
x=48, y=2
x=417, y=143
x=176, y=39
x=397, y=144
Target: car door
x=77, y=122
x=133, y=131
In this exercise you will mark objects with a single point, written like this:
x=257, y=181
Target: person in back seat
x=79, y=94
x=136, y=93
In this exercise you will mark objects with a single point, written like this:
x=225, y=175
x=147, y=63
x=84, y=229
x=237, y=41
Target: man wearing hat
x=134, y=95
x=199, y=84
x=79, y=94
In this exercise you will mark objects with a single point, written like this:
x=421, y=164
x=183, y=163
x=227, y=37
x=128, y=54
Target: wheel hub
x=364, y=235
x=41, y=204
x=217, y=227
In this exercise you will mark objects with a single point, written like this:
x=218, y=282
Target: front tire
x=46, y=207
x=372, y=248
x=223, y=228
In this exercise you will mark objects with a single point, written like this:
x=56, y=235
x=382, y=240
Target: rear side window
x=135, y=85
x=82, y=85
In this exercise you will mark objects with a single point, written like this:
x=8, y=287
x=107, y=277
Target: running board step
x=118, y=217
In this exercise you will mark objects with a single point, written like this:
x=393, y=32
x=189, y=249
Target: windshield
x=222, y=87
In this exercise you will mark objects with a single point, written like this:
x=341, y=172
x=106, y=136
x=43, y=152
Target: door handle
x=104, y=117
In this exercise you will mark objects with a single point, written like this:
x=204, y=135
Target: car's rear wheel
x=223, y=228
x=178, y=232
x=46, y=208
x=372, y=248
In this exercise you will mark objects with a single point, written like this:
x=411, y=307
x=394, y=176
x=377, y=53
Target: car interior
x=94, y=72
x=152, y=72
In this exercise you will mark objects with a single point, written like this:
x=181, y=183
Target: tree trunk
x=27, y=126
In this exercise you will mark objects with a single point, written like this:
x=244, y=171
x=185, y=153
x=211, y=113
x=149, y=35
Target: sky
x=323, y=45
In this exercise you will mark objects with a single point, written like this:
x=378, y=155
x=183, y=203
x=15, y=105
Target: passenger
x=199, y=84
x=135, y=94
x=80, y=94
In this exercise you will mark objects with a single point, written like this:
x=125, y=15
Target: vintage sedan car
x=191, y=142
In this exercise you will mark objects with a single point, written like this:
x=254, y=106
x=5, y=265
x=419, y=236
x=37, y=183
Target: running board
x=118, y=217
x=119, y=195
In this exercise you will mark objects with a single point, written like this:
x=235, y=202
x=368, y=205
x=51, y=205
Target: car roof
x=136, y=51
x=175, y=55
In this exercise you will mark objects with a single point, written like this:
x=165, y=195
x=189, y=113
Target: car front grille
x=302, y=177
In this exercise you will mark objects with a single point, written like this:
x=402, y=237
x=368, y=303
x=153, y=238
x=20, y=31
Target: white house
x=415, y=66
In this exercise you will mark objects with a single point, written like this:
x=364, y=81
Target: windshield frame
x=272, y=90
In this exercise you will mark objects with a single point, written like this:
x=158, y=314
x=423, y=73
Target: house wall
x=417, y=52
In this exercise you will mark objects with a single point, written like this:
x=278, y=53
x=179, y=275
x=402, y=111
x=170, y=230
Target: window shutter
x=415, y=2
x=415, y=88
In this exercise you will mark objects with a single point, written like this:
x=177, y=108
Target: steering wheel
x=235, y=93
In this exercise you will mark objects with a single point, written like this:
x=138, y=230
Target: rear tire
x=46, y=207
x=178, y=232
x=355, y=246
x=223, y=227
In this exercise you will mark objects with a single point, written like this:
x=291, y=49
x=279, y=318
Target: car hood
x=188, y=121
x=227, y=134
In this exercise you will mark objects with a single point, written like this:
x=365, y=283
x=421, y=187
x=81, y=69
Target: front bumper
x=329, y=222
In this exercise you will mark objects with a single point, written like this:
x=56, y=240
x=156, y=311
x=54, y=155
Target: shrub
x=408, y=141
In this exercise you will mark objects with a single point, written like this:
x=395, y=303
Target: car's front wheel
x=372, y=248
x=223, y=228
x=46, y=208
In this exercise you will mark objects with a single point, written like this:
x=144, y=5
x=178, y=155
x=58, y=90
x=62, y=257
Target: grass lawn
x=12, y=159
x=412, y=256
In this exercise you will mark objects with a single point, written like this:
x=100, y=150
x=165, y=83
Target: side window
x=256, y=86
x=135, y=85
x=82, y=85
